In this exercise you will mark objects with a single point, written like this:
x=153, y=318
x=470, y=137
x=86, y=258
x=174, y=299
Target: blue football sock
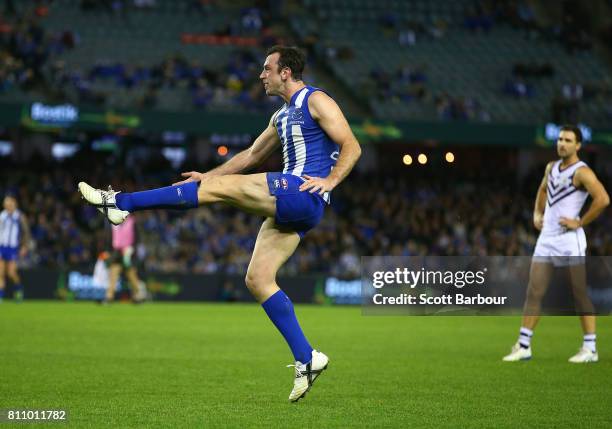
x=279, y=309
x=1, y=293
x=183, y=196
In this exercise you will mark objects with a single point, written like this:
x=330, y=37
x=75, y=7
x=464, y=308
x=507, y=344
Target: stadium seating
x=144, y=37
x=459, y=62
x=466, y=66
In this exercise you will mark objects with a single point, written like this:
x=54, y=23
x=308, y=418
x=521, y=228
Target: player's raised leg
x=539, y=279
x=273, y=247
x=247, y=192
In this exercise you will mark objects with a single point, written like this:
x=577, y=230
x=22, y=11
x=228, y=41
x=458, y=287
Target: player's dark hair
x=291, y=57
x=574, y=129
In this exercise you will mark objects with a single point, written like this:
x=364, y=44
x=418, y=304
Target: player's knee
x=534, y=293
x=204, y=189
x=255, y=281
x=251, y=281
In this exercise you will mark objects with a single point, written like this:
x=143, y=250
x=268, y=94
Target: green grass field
x=207, y=365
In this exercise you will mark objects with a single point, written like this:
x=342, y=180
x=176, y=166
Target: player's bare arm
x=540, y=202
x=586, y=178
x=326, y=112
x=243, y=161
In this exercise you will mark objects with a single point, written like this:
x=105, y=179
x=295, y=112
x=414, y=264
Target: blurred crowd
x=389, y=215
x=234, y=83
x=31, y=61
x=26, y=48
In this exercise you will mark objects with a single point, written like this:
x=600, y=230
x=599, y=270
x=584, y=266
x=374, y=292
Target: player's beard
x=268, y=90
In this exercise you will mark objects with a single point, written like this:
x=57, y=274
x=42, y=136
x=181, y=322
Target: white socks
x=589, y=342
x=525, y=335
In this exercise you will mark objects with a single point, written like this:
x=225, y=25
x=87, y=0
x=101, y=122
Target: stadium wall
x=78, y=284
x=38, y=116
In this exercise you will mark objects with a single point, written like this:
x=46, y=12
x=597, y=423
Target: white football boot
x=104, y=201
x=518, y=353
x=306, y=374
x=584, y=356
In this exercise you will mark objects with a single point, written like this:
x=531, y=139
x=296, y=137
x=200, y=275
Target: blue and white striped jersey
x=307, y=149
x=10, y=228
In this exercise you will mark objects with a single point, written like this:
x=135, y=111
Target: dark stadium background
x=130, y=93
